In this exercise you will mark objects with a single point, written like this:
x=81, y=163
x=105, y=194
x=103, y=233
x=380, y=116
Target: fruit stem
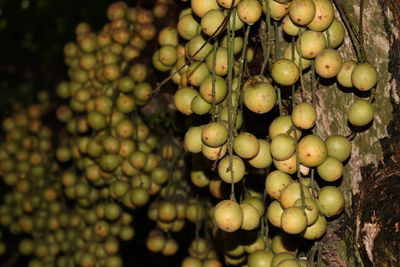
x=354, y=40
x=269, y=38
x=361, y=32
x=213, y=115
x=276, y=40
x=300, y=65
x=279, y=94
x=231, y=62
x=299, y=176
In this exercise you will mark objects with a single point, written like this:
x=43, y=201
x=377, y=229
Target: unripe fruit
x=283, y=242
x=260, y=258
x=285, y=72
x=324, y=15
x=316, y=230
x=338, y=146
x=304, y=116
x=259, y=97
x=291, y=193
x=228, y=3
x=287, y=166
x=228, y=215
x=364, y=77
x=263, y=158
x=281, y=125
x=289, y=263
x=328, y=63
x=167, y=55
x=192, y=140
x=330, y=201
x=278, y=258
x=220, y=89
x=312, y=151
x=188, y=27
x=201, y=7
x=283, y=147
x=360, y=113
x=276, y=181
x=336, y=33
x=344, y=75
x=234, y=175
x=305, y=63
x=331, y=170
x=274, y=213
x=289, y=27
x=183, y=98
x=277, y=9
x=251, y=217
x=196, y=73
x=246, y=145
x=221, y=61
x=214, y=153
x=211, y=22
x=311, y=209
x=294, y=220
x=249, y=11
x=310, y=44
x=214, y=134
x=302, y=12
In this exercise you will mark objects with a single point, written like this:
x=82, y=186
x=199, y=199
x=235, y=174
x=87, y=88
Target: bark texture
x=367, y=233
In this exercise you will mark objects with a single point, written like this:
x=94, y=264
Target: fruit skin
x=364, y=77
x=304, y=116
x=331, y=170
x=238, y=169
x=330, y=201
x=276, y=181
x=285, y=72
x=312, y=151
x=302, y=12
x=310, y=44
x=259, y=97
x=283, y=146
x=183, y=98
x=251, y=217
x=344, y=75
x=249, y=11
x=328, y=63
x=338, y=146
x=316, y=230
x=228, y=215
x=201, y=7
x=263, y=159
x=360, y=113
x=324, y=15
x=246, y=145
x=214, y=134
x=260, y=258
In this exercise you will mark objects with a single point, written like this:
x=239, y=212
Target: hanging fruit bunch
x=207, y=56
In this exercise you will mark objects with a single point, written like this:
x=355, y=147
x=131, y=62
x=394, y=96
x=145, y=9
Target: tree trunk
x=367, y=233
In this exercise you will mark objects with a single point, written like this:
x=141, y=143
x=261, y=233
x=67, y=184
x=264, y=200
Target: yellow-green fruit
x=211, y=21
x=251, y=217
x=263, y=159
x=312, y=151
x=310, y=44
x=256, y=202
x=311, y=209
x=293, y=220
x=304, y=116
x=220, y=89
x=330, y=201
x=183, y=98
x=196, y=73
x=198, y=48
x=360, y=113
x=201, y=7
x=274, y=213
x=228, y=3
x=336, y=34
x=302, y=12
x=249, y=11
x=214, y=153
x=228, y=215
x=344, y=75
x=287, y=166
x=331, y=170
x=283, y=147
x=200, y=106
x=214, y=134
x=338, y=146
x=328, y=63
x=188, y=27
x=364, y=77
x=221, y=61
x=291, y=193
x=276, y=181
x=283, y=242
x=289, y=263
x=192, y=140
x=305, y=63
x=289, y=27
x=260, y=258
x=246, y=145
x=279, y=257
x=167, y=55
x=228, y=175
x=316, y=230
x=281, y=125
x=259, y=97
x=277, y=9
x=324, y=15
x=285, y=72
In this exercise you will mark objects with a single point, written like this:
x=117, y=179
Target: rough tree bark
x=367, y=233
